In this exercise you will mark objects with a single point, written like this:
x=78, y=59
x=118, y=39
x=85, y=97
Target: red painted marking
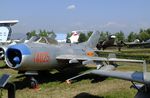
x=41, y=57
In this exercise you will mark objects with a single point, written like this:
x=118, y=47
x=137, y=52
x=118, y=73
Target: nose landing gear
x=33, y=83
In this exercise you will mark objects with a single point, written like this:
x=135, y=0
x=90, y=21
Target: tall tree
x=144, y=36
x=82, y=37
x=67, y=38
x=148, y=31
x=103, y=36
x=30, y=34
x=43, y=33
x=51, y=34
x=120, y=36
x=132, y=36
x=89, y=34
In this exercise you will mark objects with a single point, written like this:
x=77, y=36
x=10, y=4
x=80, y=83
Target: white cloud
x=71, y=7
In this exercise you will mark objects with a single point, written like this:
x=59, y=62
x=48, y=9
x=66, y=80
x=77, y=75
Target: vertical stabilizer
x=93, y=40
x=74, y=37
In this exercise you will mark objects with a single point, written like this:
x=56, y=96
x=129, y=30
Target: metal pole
x=11, y=90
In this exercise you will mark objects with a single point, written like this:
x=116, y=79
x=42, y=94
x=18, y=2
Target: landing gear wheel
x=33, y=83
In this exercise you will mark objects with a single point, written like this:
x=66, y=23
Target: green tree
x=43, y=33
x=30, y=34
x=148, y=31
x=82, y=37
x=67, y=38
x=120, y=36
x=89, y=34
x=103, y=36
x=51, y=34
x=132, y=36
x=144, y=36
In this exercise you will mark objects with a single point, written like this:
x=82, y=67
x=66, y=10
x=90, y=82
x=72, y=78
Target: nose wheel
x=33, y=83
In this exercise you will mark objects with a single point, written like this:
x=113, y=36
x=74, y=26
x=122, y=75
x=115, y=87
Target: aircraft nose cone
x=16, y=60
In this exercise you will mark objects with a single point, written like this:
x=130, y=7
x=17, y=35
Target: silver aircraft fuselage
x=40, y=56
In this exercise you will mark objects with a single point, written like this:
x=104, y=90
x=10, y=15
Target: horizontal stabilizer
x=130, y=76
x=9, y=22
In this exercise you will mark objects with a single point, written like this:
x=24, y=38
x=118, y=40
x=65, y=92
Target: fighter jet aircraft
x=32, y=58
x=106, y=43
x=137, y=43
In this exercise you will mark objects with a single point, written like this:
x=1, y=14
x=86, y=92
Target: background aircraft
x=106, y=43
x=5, y=34
x=5, y=30
x=74, y=37
x=137, y=43
x=33, y=58
x=110, y=42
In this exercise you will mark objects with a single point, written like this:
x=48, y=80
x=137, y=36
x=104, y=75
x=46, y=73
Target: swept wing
x=88, y=58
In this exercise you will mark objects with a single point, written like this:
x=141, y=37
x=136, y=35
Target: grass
x=107, y=89
x=83, y=88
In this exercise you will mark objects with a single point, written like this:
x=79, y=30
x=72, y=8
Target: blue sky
x=67, y=15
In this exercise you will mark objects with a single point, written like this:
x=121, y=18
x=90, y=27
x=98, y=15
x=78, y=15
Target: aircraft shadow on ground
x=86, y=95
x=3, y=67
x=58, y=76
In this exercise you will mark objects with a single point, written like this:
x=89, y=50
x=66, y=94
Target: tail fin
x=74, y=37
x=93, y=40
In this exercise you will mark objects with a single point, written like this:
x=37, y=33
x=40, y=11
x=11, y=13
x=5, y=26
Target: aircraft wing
x=76, y=58
x=125, y=60
x=81, y=58
x=143, y=44
x=130, y=76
